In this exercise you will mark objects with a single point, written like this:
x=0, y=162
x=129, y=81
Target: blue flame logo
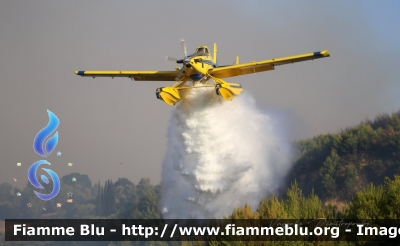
x=49, y=146
x=45, y=133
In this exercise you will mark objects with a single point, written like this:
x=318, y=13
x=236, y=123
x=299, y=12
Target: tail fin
x=215, y=54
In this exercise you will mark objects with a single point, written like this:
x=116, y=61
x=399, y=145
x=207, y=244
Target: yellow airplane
x=199, y=68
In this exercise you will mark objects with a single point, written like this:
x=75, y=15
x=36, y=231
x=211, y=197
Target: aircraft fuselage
x=197, y=66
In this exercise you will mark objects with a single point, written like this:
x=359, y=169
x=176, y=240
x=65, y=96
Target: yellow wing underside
x=218, y=72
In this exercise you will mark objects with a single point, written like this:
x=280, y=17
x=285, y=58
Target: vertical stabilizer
x=215, y=54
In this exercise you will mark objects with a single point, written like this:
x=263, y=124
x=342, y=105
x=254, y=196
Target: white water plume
x=220, y=155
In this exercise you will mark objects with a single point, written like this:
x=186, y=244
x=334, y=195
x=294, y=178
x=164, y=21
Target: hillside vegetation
x=338, y=165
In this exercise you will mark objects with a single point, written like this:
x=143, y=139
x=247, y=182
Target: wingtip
x=80, y=73
x=325, y=53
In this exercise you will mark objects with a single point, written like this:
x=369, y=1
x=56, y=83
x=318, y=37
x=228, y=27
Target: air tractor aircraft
x=198, y=68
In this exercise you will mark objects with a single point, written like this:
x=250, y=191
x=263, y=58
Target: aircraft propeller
x=185, y=61
x=183, y=43
x=170, y=58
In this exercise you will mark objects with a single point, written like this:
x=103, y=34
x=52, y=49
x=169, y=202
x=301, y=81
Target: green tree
x=350, y=179
x=108, y=199
x=327, y=173
x=391, y=198
x=329, y=185
x=395, y=121
x=294, y=201
x=99, y=208
x=367, y=204
x=330, y=164
x=271, y=208
x=147, y=205
x=311, y=207
x=244, y=213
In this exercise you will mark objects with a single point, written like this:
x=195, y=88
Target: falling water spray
x=220, y=155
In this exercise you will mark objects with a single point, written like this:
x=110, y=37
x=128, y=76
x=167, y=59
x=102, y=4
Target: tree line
x=338, y=165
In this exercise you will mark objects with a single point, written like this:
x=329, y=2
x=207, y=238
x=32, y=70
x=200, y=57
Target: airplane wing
x=136, y=75
x=266, y=65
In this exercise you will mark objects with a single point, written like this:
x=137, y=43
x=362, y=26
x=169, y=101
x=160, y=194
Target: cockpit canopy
x=202, y=49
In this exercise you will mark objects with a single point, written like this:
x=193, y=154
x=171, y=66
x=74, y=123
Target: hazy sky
x=113, y=128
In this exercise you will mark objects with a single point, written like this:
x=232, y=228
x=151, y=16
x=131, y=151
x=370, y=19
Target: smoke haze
x=105, y=122
x=220, y=155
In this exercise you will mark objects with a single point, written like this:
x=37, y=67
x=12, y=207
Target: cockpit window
x=202, y=50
